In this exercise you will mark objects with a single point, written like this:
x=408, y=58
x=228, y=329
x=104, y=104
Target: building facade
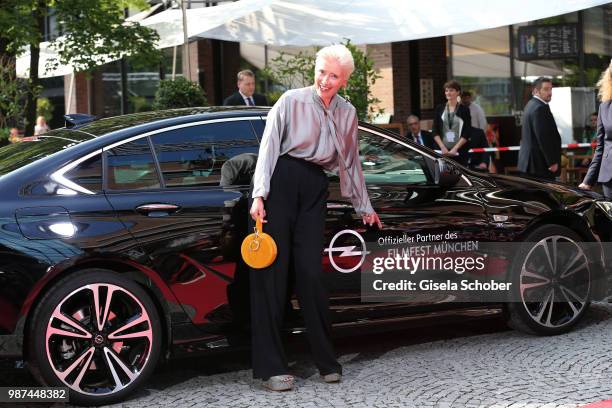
x=495, y=65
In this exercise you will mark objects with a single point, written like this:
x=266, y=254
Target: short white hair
x=341, y=54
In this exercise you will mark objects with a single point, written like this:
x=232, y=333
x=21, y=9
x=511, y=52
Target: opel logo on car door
x=349, y=250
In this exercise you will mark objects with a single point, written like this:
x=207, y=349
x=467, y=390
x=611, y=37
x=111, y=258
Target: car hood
x=564, y=193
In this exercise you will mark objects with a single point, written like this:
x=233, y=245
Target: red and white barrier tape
x=515, y=148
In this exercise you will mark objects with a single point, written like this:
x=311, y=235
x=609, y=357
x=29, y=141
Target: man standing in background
x=479, y=119
x=540, y=150
x=246, y=92
x=478, y=139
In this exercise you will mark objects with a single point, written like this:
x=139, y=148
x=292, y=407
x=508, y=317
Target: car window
x=386, y=161
x=131, y=166
x=222, y=153
x=87, y=174
x=259, y=126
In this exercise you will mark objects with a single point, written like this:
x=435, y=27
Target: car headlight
x=606, y=206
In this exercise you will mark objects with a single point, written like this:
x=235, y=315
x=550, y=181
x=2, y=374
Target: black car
x=120, y=241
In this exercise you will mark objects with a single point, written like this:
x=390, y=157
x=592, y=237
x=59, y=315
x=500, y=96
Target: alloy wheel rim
x=555, y=281
x=99, y=339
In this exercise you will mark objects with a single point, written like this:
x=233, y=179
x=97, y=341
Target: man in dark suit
x=540, y=151
x=478, y=139
x=418, y=136
x=246, y=92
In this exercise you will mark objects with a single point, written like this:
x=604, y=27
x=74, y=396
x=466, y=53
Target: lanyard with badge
x=450, y=135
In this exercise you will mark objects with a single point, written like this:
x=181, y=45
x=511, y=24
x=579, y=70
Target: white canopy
x=323, y=22
x=169, y=24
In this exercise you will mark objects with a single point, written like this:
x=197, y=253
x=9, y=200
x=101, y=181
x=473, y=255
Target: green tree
x=90, y=28
x=13, y=93
x=44, y=108
x=178, y=93
x=293, y=71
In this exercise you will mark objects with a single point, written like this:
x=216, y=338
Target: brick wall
x=194, y=58
x=432, y=63
x=205, y=69
x=383, y=87
x=230, y=66
x=215, y=66
x=401, y=80
x=412, y=61
x=79, y=102
x=98, y=95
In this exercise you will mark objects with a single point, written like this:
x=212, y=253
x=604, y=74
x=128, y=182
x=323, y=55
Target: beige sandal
x=332, y=378
x=279, y=383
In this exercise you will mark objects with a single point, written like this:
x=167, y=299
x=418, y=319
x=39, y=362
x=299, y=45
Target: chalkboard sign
x=548, y=41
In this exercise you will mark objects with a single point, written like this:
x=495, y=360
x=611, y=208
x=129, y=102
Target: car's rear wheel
x=551, y=281
x=96, y=333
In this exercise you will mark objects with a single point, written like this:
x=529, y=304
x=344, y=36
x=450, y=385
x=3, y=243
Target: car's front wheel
x=551, y=282
x=96, y=333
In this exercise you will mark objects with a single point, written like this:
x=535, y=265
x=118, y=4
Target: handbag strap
x=258, y=227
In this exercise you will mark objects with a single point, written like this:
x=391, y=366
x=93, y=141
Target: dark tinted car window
x=195, y=155
x=17, y=155
x=131, y=166
x=88, y=174
x=385, y=161
x=258, y=126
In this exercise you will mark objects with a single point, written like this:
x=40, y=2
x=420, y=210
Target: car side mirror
x=445, y=173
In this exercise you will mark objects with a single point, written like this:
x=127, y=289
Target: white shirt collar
x=537, y=97
x=245, y=97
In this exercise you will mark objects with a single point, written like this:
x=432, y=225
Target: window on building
x=172, y=61
x=107, y=89
x=481, y=64
x=142, y=84
x=597, y=42
x=563, y=71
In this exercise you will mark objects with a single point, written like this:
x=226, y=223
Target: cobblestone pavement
x=472, y=364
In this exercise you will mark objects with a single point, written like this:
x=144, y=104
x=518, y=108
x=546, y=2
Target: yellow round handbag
x=258, y=249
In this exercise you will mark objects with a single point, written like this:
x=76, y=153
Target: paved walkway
x=461, y=367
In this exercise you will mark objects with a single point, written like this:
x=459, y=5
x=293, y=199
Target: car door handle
x=157, y=209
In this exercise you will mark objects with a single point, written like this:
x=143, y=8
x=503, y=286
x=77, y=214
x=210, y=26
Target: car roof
x=117, y=123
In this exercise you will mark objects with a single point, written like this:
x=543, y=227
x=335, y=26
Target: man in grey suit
x=540, y=151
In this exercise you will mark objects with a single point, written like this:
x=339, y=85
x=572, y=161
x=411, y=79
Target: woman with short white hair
x=308, y=130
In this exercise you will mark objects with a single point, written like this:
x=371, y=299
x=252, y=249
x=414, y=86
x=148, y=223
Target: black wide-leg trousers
x=295, y=211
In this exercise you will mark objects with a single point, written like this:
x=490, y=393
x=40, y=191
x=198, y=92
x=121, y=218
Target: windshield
x=17, y=155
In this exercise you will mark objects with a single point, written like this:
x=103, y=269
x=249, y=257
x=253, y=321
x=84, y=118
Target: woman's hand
x=258, y=210
x=444, y=150
x=584, y=186
x=453, y=152
x=371, y=219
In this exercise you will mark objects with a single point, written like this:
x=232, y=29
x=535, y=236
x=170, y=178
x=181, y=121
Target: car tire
x=551, y=282
x=102, y=361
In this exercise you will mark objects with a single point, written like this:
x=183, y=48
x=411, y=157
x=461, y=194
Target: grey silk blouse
x=299, y=125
